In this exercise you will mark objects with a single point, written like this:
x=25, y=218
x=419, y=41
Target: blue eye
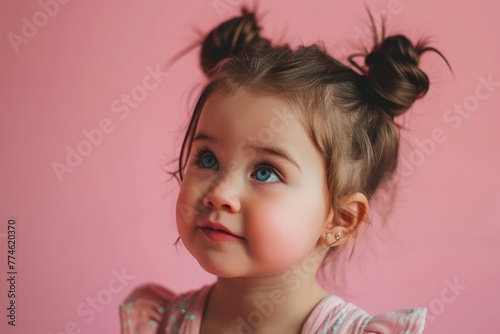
x=205, y=159
x=265, y=172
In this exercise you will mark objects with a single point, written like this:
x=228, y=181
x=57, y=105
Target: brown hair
x=348, y=114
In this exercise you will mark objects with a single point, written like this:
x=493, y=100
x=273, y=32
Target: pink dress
x=152, y=309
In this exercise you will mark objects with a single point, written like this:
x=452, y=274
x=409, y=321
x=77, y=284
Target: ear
x=350, y=221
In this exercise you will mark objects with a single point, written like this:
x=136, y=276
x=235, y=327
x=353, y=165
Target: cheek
x=188, y=203
x=280, y=233
x=181, y=209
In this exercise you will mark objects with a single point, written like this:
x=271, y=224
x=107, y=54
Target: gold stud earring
x=329, y=238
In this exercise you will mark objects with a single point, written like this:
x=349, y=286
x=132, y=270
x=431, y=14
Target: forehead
x=248, y=114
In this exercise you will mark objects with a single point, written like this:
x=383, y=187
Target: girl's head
x=287, y=146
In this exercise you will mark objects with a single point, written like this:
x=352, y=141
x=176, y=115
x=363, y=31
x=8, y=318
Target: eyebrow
x=273, y=150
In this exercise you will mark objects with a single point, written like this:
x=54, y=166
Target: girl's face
x=236, y=175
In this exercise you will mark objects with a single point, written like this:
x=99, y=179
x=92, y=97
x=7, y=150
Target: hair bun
x=394, y=75
x=232, y=38
x=394, y=47
x=394, y=79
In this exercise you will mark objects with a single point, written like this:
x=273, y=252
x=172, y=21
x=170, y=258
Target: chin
x=219, y=272
x=225, y=270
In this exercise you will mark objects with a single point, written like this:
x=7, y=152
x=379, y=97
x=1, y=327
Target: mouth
x=218, y=233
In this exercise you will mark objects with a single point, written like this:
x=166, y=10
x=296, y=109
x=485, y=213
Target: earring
x=329, y=238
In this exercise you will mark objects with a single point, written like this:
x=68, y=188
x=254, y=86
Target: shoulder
x=146, y=307
x=342, y=317
x=407, y=321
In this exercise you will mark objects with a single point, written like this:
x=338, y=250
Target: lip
x=218, y=232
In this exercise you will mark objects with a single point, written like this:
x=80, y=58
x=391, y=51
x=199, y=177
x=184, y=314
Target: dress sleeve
x=405, y=321
x=143, y=309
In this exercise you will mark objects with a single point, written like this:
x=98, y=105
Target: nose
x=222, y=195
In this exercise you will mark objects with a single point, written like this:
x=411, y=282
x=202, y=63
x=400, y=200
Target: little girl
x=283, y=152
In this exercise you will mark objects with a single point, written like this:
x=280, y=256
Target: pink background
x=115, y=210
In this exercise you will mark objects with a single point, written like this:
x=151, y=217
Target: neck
x=263, y=304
